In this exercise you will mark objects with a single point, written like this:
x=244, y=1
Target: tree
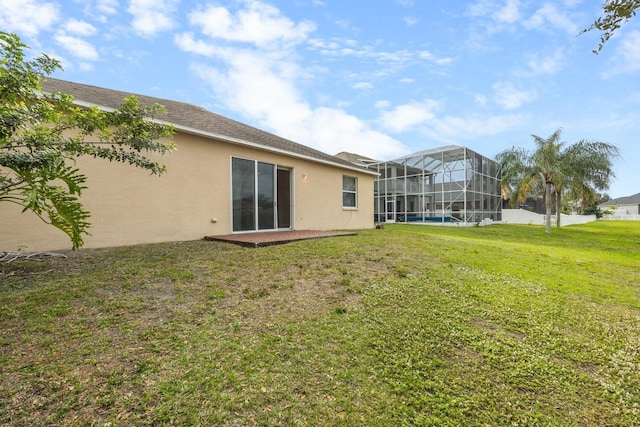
x=553, y=171
x=42, y=134
x=587, y=168
x=616, y=13
x=602, y=198
x=593, y=210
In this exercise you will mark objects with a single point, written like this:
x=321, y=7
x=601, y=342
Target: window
x=349, y=191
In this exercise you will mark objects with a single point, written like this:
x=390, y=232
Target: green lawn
x=410, y=325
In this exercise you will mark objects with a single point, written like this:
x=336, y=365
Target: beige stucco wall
x=190, y=201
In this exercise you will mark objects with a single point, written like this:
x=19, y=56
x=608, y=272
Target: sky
x=381, y=78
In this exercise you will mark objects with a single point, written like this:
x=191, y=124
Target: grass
x=409, y=325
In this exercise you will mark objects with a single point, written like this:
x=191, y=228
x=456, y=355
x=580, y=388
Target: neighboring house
x=622, y=207
x=449, y=184
x=225, y=177
x=356, y=158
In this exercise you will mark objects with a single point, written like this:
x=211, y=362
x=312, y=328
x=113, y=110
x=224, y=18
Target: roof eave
x=238, y=141
x=262, y=147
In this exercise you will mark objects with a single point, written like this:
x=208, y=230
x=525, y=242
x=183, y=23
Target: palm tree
x=588, y=169
x=552, y=171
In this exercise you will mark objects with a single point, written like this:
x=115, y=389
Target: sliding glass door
x=244, y=194
x=266, y=196
x=256, y=186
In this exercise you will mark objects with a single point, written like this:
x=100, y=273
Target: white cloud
x=263, y=84
x=424, y=117
x=86, y=66
x=426, y=55
x=630, y=50
x=324, y=46
x=397, y=58
x=109, y=7
x=264, y=91
x=259, y=23
x=507, y=96
x=546, y=65
x=491, y=17
x=363, y=86
x=255, y=86
x=100, y=10
x=27, y=17
x=408, y=116
x=550, y=15
x=331, y=130
x=347, y=26
x=627, y=55
x=77, y=47
x=188, y=43
x=452, y=129
x=80, y=28
x=411, y=21
x=389, y=61
x=572, y=3
x=151, y=16
x=480, y=99
x=508, y=14
x=481, y=8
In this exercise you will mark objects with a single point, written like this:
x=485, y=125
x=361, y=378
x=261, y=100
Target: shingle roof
x=356, y=158
x=191, y=117
x=628, y=200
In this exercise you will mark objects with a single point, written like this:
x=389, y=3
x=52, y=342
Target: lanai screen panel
x=448, y=184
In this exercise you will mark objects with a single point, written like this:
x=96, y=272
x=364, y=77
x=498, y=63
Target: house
x=225, y=177
x=622, y=207
x=450, y=184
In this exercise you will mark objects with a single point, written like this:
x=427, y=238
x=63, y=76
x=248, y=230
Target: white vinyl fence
x=622, y=217
x=623, y=213
x=522, y=216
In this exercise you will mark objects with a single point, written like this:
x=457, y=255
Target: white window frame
x=347, y=191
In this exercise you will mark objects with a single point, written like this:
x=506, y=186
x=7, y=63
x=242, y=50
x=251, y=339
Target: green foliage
x=593, y=210
x=42, y=134
x=556, y=171
x=602, y=198
x=616, y=13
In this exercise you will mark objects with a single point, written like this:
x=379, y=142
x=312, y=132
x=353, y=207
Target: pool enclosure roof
x=450, y=183
x=440, y=155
